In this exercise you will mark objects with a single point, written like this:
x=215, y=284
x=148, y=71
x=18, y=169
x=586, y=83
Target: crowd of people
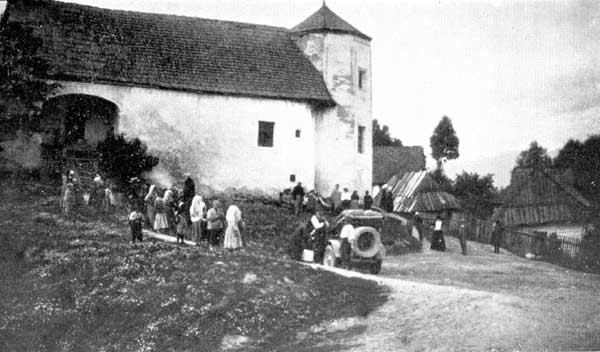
x=182, y=213
x=340, y=199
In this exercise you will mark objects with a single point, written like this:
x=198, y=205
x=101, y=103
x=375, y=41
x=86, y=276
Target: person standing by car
x=367, y=201
x=497, y=236
x=437, y=239
x=318, y=224
x=336, y=198
x=298, y=196
x=346, y=199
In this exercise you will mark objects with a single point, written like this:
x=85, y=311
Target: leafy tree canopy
x=382, y=137
x=444, y=142
x=535, y=156
x=584, y=159
x=21, y=67
x=122, y=159
x=477, y=193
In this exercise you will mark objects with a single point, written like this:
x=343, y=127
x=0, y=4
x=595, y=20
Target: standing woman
x=233, y=236
x=215, y=223
x=197, y=215
x=170, y=209
x=149, y=200
x=161, y=224
x=437, y=239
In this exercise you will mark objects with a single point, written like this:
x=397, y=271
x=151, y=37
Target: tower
x=343, y=133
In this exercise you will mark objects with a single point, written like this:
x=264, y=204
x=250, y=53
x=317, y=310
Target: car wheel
x=375, y=268
x=329, y=258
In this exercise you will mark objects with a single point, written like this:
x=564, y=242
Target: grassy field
x=78, y=284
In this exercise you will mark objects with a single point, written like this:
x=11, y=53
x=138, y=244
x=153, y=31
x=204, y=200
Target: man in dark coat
x=298, y=196
x=367, y=200
x=497, y=236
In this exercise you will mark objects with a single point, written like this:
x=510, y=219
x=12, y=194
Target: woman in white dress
x=233, y=236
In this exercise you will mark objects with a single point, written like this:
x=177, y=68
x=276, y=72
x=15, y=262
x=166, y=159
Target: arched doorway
x=75, y=124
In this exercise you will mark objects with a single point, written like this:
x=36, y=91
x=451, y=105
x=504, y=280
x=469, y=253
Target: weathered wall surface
x=215, y=138
x=340, y=57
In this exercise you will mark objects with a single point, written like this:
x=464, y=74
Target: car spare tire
x=367, y=242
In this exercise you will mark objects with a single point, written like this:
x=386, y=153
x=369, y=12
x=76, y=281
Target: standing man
x=336, y=198
x=462, y=234
x=298, y=195
x=367, y=200
x=497, y=236
x=346, y=199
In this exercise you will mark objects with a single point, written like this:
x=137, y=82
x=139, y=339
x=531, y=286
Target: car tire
x=329, y=258
x=371, y=242
x=375, y=268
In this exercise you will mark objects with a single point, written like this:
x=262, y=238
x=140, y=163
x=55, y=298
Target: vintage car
x=361, y=249
x=364, y=249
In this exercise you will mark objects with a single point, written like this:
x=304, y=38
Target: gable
x=89, y=44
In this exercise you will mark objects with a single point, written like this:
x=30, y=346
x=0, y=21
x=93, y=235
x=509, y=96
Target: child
x=181, y=221
x=135, y=224
x=69, y=198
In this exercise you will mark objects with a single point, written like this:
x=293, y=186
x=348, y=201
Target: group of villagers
x=98, y=195
x=186, y=215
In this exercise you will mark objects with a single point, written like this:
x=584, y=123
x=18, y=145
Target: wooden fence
x=569, y=252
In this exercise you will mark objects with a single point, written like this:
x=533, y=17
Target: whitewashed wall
x=216, y=137
x=339, y=57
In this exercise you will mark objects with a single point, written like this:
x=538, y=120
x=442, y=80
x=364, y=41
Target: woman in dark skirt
x=437, y=239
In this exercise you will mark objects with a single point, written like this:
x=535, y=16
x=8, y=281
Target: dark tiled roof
x=389, y=161
x=85, y=43
x=325, y=20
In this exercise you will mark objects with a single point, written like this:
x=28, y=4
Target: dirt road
x=480, y=302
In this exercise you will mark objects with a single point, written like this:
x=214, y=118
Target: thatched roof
x=390, y=161
x=537, y=196
x=418, y=192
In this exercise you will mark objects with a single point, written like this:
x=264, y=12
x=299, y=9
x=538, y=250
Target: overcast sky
x=505, y=72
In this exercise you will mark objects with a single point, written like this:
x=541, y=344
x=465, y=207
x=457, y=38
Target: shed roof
x=390, y=160
x=417, y=191
x=325, y=20
x=91, y=44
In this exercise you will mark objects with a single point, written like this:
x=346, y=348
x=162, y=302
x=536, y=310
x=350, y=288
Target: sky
x=505, y=72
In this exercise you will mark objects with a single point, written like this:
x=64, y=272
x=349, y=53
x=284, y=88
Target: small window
x=361, y=139
x=292, y=178
x=265, y=133
x=362, y=79
x=297, y=133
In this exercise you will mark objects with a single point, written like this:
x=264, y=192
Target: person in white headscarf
x=197, y=215
x=233, y=236
x=149, y=200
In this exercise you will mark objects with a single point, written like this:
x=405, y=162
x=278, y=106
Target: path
x=480, y=302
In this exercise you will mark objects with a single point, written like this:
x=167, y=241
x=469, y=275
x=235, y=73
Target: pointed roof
x=325, y=20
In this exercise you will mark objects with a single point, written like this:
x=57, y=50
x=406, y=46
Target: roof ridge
x=157, y=14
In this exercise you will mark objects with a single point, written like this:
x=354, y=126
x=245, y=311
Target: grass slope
x=80, y=285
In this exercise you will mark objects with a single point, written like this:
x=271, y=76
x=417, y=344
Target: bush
x=122, y=159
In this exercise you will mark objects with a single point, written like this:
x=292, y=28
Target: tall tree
x=583, y=158
x=22, y=69
x=535, y=156
x=477, y=193
x=382, y=137
x=444, y=142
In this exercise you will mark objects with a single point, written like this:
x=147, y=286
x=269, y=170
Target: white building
x=233, y=104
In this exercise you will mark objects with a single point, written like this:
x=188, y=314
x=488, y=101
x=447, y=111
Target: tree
x=535, y=156
x=22, y=69
x=477, y=193
x=441, y=179
x=444, y=142
x=122, y=159
x=382, y=137
x=584, y=160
